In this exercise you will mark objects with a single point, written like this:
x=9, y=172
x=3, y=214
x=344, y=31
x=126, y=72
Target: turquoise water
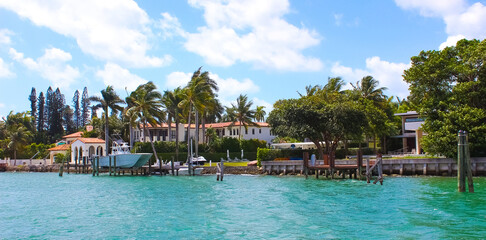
x=45, y=206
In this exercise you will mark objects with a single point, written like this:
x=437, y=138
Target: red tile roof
x=63, y=147
x=74, y=135
x=90, y=140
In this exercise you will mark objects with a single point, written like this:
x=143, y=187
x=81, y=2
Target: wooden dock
x=422, y=166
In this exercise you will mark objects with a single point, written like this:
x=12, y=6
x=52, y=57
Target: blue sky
x=268, y=49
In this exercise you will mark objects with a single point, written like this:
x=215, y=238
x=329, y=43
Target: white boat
x=184, y=171
x=124, y=158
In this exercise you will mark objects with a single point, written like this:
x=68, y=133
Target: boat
x=124, y=158
x=199, y=161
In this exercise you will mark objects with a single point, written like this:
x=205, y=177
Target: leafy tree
x=260, y=114
x=109, y=100
x=172, y=101
x=198, y=92
x=147, y=105
x=448, y=89
x=242, y=113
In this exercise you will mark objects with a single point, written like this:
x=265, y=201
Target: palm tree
x=109, y=100
x=171, y=101
x=242, y=113
x=260, y=114
x=198, y=92
x=368, y=88
x=147, y=105
x=18, y=137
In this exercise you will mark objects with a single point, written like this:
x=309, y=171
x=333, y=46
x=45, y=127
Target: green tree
x=242, y=113
x=172, y=101
x=147, y=105
x=260, y=114
x=108, y=100
x=448, y=89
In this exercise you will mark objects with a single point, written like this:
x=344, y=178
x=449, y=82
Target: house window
x=223, y=131
x=260, y=131
x=246, y=131
x=231, y=132
x=253, y=131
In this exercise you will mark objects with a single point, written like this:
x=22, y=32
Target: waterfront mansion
x=160, y=132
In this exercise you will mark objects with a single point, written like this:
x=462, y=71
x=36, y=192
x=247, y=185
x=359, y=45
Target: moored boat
x=124, y=158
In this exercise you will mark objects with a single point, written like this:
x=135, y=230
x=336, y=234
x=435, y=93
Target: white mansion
x=160, y=132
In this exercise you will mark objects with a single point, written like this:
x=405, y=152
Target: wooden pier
x=420, y=166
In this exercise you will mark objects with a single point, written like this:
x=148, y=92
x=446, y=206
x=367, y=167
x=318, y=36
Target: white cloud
x=177, y=79
x=451, y=41
x=5, y=36
x=170, y=26
x=461, y=19
x=387, y=73
x=120, y=78
x=112, y=30
x=260, y=102
x=51, y=66
x=252, y=31
x=5, y=70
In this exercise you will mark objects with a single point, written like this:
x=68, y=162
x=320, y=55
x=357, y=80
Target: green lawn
x=230, y=164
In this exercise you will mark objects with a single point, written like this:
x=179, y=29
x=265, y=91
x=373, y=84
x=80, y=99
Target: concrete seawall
x=423, y=166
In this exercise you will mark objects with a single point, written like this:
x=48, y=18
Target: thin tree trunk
x=196, y=121
x=203, y=123
x=169, y=121
x=153, y=149
x=177, y=136
x=189, y=133
x=320, y=151
x=239, y=135
x=131, y=136
x=15, y=157
x=374, y=143
x=107, y=138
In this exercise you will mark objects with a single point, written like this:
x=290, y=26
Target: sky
x=268, y=50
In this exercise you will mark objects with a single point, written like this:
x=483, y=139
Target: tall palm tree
x=109, y=100
x=147, y=105
x=260, y=114
x=198, y=92
x=242, y=113
x=171, y=101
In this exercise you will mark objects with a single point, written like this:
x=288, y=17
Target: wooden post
x=172, y=165
x=114, y=165
x=97, y=165
x=360, y=162
x=306, y=164
x=425, y=169
x=109, y=165
x=461, y=178
x=93, y=168
x=368, y=174
x=467, y=155
x=76, y=165
x=61, y=168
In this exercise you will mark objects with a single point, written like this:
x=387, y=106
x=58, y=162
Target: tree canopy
x=448, y=89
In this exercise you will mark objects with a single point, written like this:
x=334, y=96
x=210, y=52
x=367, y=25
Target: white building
x=160, y=132
x=80, y=147
x=411, y=132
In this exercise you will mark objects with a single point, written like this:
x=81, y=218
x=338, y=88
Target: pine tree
x=48, y=110
x=67, y=118
x=77, y=111
x=85, y=107
x=41, y=116
x=33, y=106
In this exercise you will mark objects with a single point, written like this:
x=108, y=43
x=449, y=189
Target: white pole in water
x=242, y=154
x=227, y=154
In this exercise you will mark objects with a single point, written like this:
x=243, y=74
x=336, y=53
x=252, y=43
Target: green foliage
x=61, y=157
x=448, y=88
